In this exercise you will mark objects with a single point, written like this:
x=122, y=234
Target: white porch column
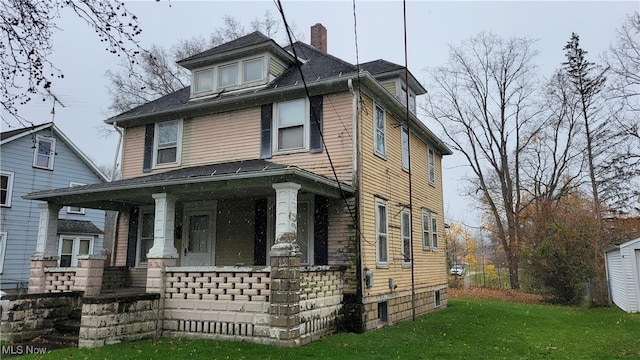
x=47, y=232
x=165, y=219
x=286, y=234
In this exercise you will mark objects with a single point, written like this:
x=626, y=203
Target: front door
x=198, y=243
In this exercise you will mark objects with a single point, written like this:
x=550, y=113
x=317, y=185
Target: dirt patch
x=497, y=295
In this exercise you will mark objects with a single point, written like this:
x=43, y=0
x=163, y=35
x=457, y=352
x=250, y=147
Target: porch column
x=46, y=254
x=163, y=253
x=284, y=307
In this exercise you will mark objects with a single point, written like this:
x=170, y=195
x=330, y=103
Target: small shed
x=623, y=273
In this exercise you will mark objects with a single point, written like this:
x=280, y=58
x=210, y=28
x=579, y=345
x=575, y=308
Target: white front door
x=198, y=242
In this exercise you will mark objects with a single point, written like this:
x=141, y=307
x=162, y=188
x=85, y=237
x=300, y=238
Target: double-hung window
x=145, y=235
x=432, y=167
x=75, y=209
x=405, y=230
x=379, y=131
x=382, y=245
x=44, y=152
x=434, y=232
x=291, y=123
x=405, y=148
x=3, y=246
x=6, y=188
x=426, y=234
x=168, y=141
x=73, y=246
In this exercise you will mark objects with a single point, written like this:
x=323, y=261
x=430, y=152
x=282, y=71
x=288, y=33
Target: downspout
x=112, y=178
x=406, y=83
x=357, y=160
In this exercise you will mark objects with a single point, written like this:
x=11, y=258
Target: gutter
x=44, y=195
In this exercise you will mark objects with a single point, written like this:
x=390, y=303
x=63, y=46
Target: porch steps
x=66, y=332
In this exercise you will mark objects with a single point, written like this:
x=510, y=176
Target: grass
x=467, y=329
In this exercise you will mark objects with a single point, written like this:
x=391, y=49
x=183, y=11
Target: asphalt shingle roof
x=66, y=226
x=254, y=38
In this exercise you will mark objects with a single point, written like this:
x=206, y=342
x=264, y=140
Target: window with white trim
x=434, y=232
x=432, y=167
x=72, y=246
x=405, y=148
x=6, y=188
x=75, y=209
x=3, y=247
x=228, y=75
x=253, y=70
x=145, y=236
x=291, y=121
x=405, y=232
x=232, y=75
x=379, y=136
x=203, y=81
x=426, y=234
x=43, y=154
x=168, y=142
x=382, y=243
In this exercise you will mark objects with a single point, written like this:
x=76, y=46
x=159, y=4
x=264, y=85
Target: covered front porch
x=241, y=250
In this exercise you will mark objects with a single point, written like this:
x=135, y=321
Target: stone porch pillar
x=284, y=308
x=46, y=254
x=163, y=253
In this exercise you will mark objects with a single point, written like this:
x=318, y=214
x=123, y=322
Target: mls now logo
x=22, y=350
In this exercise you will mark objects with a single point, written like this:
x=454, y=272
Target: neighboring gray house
x=36, y=158
x=623, y=273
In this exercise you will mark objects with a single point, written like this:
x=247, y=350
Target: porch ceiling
x=241, y=179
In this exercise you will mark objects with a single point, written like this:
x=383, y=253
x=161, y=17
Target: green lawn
x=467, y=329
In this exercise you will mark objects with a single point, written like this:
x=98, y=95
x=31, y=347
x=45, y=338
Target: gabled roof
x=383, y=70
x=12, y=135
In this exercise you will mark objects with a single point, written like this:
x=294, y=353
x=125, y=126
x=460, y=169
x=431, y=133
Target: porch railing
x=59, y=279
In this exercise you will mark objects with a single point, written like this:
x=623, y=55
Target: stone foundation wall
x=321, y=295
x=115, y=277
x=32, y=315
x=110, y=319
x=399, y=306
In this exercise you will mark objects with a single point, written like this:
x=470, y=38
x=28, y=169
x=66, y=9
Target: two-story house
x=35, y=158
x=284, y=194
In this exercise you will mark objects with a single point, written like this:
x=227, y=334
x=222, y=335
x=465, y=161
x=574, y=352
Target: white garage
x=623, y=273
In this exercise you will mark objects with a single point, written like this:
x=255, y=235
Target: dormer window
x=229, y=76
x=203, y=81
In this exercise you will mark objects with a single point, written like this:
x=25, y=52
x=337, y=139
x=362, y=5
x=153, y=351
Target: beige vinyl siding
x=387, y=180
x=122, y=236
x=132, y=151
x=337, y=129
x=275, y=68
x=220, y=138
x=391, y=87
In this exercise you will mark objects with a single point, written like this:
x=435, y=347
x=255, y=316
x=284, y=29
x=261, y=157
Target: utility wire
x=313, y=112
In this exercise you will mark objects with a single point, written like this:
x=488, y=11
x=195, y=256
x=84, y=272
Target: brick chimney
x=319, y=37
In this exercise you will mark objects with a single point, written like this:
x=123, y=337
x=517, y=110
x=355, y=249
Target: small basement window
x=383, y=311
x=437, y=298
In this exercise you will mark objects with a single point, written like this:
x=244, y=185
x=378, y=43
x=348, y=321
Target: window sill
x=381, y=156
x=292, y=151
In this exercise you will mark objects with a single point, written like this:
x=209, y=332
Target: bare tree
x=484, y=101
x=588, y=81
x=621, y=170
x=27, y=28
x=157, y=74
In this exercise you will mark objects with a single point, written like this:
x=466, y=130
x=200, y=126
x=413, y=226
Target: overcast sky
x=431, y=28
